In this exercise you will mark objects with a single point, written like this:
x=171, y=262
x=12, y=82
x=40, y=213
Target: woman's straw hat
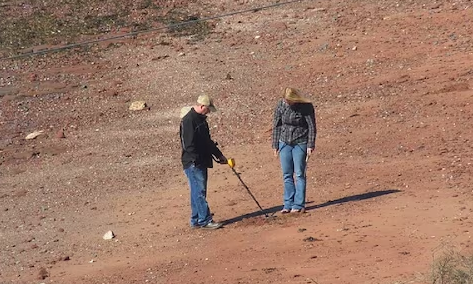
x=294, y=96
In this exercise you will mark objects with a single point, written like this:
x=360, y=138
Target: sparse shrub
x=452, y=268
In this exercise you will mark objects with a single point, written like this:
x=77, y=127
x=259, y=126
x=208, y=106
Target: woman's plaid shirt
x=294, y=124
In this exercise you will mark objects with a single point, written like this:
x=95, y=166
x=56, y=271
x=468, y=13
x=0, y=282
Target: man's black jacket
x=197, y=146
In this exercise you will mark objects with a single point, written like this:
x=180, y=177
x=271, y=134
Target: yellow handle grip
x=231, y=162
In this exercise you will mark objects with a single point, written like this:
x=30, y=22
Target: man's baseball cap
x=205, y=100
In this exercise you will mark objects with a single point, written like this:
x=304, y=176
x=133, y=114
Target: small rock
x=324, y=47
x=137, y=105
x=42, y=273
x=160, y=57
x=34, y=135
x=64, y=258
x=311, y=239
x=60, y=134
x=109, y=235
x=370, y=61
x=279, y=26
x=33, y=77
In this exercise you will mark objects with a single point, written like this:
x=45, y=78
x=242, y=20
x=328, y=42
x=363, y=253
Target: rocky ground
x=389, y=188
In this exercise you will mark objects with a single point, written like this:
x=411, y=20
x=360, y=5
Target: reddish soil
x=389, y=186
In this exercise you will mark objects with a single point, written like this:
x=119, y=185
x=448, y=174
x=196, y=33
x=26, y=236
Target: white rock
x=109, y=235
x=34, y=134
x=184, y=111
x=137, y=105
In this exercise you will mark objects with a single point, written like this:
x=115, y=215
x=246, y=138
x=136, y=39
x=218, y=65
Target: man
x=197, y=151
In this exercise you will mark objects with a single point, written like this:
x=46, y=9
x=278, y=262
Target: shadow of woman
x=271, y=211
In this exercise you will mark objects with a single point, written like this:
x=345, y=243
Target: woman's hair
x=294, y=96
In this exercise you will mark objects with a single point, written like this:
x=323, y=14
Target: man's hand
x=222, y=160
x=276, y=152
x=309, y=151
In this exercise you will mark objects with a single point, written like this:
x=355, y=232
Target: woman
x=294, y=131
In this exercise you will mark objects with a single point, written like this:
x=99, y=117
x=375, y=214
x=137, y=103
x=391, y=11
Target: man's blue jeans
x=197, y=178
x=293, y=164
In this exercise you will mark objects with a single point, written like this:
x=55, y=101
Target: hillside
x=390, y=185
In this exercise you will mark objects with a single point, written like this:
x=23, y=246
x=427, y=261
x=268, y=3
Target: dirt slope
x=389, y=186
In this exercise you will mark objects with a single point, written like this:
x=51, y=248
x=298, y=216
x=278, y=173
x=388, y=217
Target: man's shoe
x=212, y=226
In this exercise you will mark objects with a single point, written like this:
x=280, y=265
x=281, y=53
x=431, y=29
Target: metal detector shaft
x=247, y=189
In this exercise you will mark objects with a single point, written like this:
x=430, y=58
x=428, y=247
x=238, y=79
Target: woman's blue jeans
x=293, y=165
x=197, y=177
